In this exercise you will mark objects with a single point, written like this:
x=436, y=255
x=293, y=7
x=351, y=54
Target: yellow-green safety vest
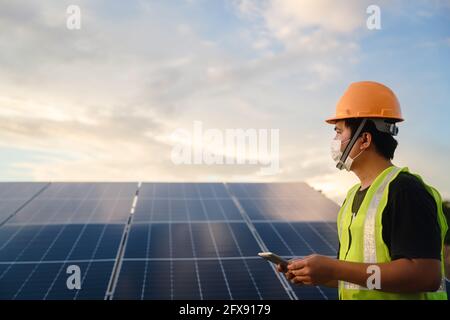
x=367, y=245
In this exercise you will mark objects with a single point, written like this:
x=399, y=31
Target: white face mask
x=336, y=154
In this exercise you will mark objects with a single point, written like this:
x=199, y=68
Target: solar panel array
x=159, y=240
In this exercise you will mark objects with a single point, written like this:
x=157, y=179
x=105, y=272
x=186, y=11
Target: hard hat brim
x=333, y=120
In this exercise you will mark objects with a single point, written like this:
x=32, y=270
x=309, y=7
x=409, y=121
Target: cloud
x=100, y=98
x=101, y=102
x=298, y=22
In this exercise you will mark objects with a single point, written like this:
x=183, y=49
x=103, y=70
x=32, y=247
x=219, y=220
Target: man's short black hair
x=384, y=143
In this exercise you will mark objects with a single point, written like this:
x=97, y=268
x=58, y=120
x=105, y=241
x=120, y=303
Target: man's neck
x=368, y=171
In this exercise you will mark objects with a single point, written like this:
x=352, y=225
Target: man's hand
x=311, y=270
x=282, y=268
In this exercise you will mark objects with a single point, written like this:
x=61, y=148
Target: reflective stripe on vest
x=370, y=246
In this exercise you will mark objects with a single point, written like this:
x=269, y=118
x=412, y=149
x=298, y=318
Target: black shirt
x=410, y=226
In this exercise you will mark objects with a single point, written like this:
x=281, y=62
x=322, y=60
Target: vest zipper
x=350, y=235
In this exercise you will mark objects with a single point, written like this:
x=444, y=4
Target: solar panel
x=48, y=280
x=65, y=224
x=161, y=240
x=200, y=228
x=14, y=195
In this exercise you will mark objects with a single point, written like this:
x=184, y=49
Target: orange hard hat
x=367, y=99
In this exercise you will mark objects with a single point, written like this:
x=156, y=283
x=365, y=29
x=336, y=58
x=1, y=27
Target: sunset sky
x=101, y=103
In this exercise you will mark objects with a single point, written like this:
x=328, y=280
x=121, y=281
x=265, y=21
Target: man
x=391, y=224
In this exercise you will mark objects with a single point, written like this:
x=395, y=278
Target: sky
x=101, y=103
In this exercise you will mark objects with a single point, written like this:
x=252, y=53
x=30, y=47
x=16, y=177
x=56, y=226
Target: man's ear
x=366, y=140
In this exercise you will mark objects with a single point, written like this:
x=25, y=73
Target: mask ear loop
x=348, y=148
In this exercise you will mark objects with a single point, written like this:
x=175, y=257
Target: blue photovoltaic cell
x=196, y=210
x=252, y=211
x=47, y=211
x=151, y=239
x=178, y=211
x=271, y=190
x=302, y=209
x=9, y=207
x=302, y=235
x=298, y=238
x=13, y=195
x=90, y=204
x=85, y=191
x=183, y=240
x=214, y=283
x=48, y=281
x=167, y=210
x=60, y=242
x=275, y=243
x=284, y=201
x=183, y=190
x=328, y=232
x=239, y=279
x=249, y=279
x=158, y=280
x=213, y=210
x=19, y=190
